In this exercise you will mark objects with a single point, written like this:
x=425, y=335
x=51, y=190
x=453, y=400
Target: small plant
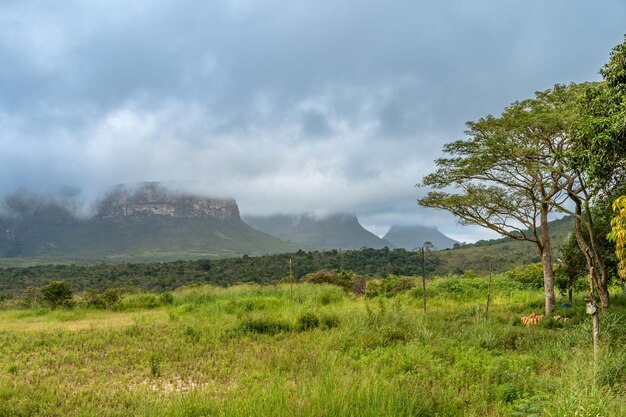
x=155, y=365
x=329, y=321
x=192, y=333
x=166, y=298
x=374, y=288
x=264, y=325
x=307, y=321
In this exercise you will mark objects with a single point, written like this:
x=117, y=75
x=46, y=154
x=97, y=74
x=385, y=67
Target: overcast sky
x=287, y=106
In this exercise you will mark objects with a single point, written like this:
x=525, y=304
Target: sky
x=287, y=106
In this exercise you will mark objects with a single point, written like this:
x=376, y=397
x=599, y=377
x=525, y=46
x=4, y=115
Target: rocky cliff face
x=152, y=199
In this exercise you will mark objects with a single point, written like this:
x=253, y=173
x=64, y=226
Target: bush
x=166, y=298
x=403, y=284
x=374, y=288
x=390, y=286
x=307, y=321
x=359, y=285
x=341, y=279
x=530, y=275
x=264, y=325
x=111, y=296
x=57, y=293
x=92, y=299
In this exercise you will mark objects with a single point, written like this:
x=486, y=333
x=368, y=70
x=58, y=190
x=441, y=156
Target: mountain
x=148, y=222
x=411, y=237
x=336, y=231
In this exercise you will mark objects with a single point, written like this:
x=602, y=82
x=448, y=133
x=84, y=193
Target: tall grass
x=252, y=350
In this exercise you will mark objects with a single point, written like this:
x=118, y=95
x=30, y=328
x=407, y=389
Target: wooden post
x=291, y=280
x=424, y=276
x=488, y=290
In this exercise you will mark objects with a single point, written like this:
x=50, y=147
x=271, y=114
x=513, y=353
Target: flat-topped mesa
x=152, y=199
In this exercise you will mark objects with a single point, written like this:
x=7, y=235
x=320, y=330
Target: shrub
x=264, y=325
x=359, y=285
x=307, y=321
x=403, y=284
x=31, y=296
x=530, y=275
x=57, y=293
x=166, y=298
x=341, y=279
x=374, y=288
x=92, y=299
x=111, y=296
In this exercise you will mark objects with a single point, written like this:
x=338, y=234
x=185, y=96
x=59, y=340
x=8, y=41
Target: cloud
x=297, y=106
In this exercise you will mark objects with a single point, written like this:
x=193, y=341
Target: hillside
x=337, y=231
x=505, y=253
x=147, y=223
x=411, y=237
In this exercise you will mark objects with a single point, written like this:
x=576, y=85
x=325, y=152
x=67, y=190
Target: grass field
x=267, y=351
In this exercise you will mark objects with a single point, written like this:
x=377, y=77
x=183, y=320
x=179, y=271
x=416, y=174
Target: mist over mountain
x=144, y=222
x=335, y=231
x=411, y=237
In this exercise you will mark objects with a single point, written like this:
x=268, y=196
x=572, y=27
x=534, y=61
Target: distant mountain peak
x=336, y=230
x=411, y=237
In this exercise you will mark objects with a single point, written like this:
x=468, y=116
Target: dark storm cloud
x=293, y=106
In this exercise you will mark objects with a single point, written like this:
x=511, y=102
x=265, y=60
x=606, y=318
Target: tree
x=57, y=293
x=506, y=175
x=597, y=157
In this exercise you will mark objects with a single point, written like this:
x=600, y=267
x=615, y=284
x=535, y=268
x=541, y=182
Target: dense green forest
x=263, y=269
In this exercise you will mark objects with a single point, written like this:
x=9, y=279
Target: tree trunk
x=590, y=258
x=602, y=280
x=546, y=261
x=604, y=300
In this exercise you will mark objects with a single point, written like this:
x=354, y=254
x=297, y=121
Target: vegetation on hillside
x=263, y=269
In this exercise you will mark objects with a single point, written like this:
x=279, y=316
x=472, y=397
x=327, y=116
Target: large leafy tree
x=507, y=175
x=597, y=157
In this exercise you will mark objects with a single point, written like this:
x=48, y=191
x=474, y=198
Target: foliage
x=531, y=275
x=390, y=286
x=57, y=293
x=158, y=277
x=618, y=234
x=307, y=321
x=343, y=279
x=264, y=325
x=600, y=132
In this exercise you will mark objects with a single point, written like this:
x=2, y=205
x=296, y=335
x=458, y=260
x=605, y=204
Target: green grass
x=251, y=350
